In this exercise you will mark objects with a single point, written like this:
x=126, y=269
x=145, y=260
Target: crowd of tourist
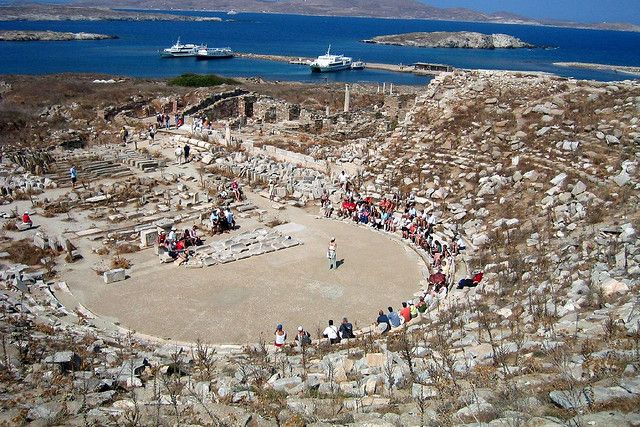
x=164, y=120
x=417, y=226
x=221, y=220
x=395, y=215
x=201, y=123
x=177, y=244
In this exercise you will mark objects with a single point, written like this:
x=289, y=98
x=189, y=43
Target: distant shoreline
x=45, y=36
x=75, y=13
x=26, y=13
x=574, y=26
x=602, y=67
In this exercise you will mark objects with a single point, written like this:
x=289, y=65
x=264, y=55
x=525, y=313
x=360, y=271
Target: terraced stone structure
x=538, y=175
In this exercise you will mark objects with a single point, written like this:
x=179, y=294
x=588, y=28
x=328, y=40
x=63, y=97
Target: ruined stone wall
x=224, y=109
x=396, y=105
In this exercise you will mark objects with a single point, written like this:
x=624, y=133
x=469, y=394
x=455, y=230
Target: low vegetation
x=201, y=80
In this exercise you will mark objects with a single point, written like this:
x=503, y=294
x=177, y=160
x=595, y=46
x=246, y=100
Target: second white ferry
x=328, y=62
x=213, y=52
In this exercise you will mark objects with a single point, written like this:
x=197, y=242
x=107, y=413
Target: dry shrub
x=24, y=252
x=103, y=250
x=127, y=248
x=10, y=225
x=120, y=262
x=275, y=222
x=55, y=208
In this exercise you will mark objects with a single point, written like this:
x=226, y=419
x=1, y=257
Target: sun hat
x=300, y=329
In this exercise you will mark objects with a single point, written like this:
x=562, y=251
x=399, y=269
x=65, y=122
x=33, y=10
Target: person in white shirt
x=344, y=179
x=331, y=254
x=229, y=217
x=280, y=337
x=172, y=235
x=331, y=332
x=179, y=152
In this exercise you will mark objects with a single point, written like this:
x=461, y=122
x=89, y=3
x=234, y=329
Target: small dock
x=419, y=68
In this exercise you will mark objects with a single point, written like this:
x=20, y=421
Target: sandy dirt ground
x=236, y=302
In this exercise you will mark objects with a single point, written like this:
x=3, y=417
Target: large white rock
x=148, y=237
x=112, y=276
x=612, y=286
x=558, y=179
x=579, y=188
x=622, y=179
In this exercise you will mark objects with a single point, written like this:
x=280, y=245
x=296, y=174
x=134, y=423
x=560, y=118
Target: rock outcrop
x=462, y=39
x=29, y=36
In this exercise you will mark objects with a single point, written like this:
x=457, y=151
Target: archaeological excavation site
x=263, y=253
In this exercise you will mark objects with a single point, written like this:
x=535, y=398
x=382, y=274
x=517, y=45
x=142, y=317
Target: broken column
x=347, y=98
x=227, y=135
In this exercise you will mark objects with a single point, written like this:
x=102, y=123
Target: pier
x=420, y=69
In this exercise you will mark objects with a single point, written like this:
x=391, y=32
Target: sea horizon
x=135, y=52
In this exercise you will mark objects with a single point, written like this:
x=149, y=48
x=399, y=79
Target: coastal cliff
x=27, y=36
x=461, y=40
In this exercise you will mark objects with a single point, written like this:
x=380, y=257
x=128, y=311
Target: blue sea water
x=135, y=53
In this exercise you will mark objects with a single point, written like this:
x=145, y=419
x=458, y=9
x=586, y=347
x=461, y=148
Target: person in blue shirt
x=394, y=318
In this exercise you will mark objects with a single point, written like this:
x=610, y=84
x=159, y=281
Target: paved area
x=236, y=302
x=239, y=301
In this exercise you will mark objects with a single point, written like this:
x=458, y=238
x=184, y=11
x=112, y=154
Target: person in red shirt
x=26, y=219
x=406, y=312
x=477, y=278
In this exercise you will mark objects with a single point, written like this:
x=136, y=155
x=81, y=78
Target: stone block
x=238, y=247
x=41, y=241
x=66, y=360
x=148, y=237
x=209, y=261
x=165, y=258
x=112, y=276
x=21, y=226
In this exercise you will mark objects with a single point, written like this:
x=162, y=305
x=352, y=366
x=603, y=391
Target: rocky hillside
x=50, y=36
x=445, y=39
x=540, y=175
x=373, y=8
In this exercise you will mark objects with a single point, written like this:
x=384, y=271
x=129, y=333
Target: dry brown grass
x=24, y=252
x=127, y=248
x=10, y=225
x=120, y=262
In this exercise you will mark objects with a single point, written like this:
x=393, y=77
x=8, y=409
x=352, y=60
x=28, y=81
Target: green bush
x=200, y=80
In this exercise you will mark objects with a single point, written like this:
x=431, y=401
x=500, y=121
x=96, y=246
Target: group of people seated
x=333, y=333
x=177, y=243
x=336, y=334
x=471, y=282
x=201, y=123
x=221, y=220
x=416, y=225
x=394, y=319
x=389, y=320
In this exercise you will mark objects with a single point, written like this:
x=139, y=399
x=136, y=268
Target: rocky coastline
x=28, y=36
x=446, y=39
x=68, y=13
